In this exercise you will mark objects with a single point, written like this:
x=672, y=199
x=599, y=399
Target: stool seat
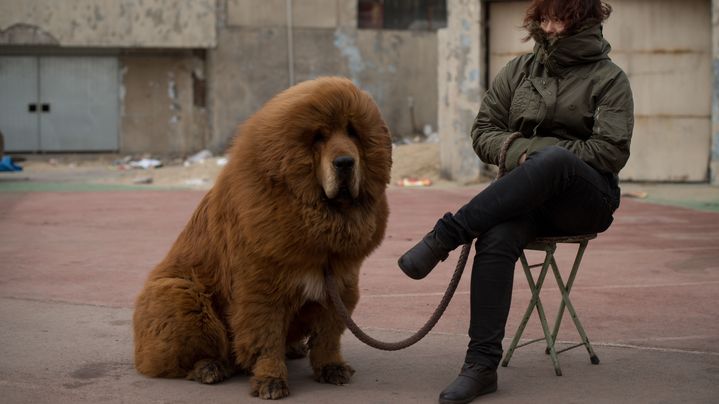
x=540, y=243
x=549, y=246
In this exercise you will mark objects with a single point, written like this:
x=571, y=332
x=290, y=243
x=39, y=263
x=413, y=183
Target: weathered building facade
x=668, y=48
x=175, y=76
x=105, y=75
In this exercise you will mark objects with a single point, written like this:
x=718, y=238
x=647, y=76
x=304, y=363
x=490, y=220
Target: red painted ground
x=650, y=285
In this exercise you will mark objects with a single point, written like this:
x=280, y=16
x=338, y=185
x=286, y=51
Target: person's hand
x=522, y=158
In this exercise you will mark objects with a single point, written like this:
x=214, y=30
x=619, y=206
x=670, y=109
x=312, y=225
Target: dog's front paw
x=269, y=388
x=334, y=373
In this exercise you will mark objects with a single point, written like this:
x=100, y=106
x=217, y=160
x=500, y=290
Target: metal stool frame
x=549, y=246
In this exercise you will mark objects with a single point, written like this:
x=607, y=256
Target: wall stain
x=348, y=48
x=26, y=34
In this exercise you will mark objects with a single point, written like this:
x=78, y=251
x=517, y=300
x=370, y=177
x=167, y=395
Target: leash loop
x=334, y=295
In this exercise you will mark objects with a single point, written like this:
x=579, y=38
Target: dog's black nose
x=343, y=162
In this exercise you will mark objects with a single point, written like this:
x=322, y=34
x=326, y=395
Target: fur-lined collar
x=584, y=45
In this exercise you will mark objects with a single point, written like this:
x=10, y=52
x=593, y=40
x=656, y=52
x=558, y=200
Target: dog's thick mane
x=278, y=137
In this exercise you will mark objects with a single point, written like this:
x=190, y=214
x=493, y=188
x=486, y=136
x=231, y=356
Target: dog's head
x=338, y=162
x=325, y=140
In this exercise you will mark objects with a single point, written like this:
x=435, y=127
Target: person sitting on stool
x=574, y=109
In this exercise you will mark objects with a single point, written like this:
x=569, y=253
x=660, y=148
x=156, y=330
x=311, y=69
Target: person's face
x=551, y=26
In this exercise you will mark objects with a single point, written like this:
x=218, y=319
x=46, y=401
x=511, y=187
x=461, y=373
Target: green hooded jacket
x=566, y=93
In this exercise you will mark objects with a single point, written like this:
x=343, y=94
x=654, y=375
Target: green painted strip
x=30, y=186
x=705, y=206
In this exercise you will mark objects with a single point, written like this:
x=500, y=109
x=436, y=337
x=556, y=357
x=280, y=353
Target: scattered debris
x=124, y=160
x=432, y=138
x=414, y=182
x=635, y=194
x=142, y=180
x=198, y=157
x=193, y=182
x=430, y=135
x=146, y=163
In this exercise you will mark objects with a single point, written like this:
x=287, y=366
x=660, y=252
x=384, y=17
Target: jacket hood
x=586, y=45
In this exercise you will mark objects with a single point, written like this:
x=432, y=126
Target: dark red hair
x=573, y=13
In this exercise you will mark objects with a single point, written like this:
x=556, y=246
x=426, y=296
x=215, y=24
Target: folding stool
x=549, y=246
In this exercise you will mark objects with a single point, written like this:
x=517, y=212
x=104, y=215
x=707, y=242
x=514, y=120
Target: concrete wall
x=664, y=46
x=252, y=61
x=161, y=105
x=665, y=49
x=459, y=80
x=248, y=60
x=304, y=13
x=109, y=23
x=162, y=90
x=505, y=38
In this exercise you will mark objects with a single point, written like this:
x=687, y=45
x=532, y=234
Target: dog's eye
x=351, y=131
x=318, y=137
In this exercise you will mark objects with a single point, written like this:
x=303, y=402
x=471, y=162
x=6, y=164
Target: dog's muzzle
x=344, y=166
x=342, y=181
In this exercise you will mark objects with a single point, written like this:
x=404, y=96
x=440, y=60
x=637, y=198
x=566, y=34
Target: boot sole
x=412, y=274
x=486, y=390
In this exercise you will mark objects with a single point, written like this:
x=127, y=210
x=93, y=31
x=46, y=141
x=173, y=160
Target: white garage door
x=54, y=103
x=664, y=46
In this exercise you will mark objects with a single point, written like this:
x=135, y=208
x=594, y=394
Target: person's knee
x=505, y=238
x=553, y=157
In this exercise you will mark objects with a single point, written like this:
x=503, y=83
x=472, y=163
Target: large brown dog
x=242, y=287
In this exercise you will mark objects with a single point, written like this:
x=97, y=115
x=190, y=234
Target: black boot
x=419, y=260
x=473, y=381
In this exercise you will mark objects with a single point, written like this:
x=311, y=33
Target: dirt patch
x=416, y=161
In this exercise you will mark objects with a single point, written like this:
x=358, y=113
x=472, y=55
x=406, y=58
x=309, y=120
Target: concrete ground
x=72, y=258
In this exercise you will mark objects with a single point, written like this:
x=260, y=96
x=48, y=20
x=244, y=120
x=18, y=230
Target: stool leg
x=560, y=312
x=568, y=303
x=543, y=319
x=570, y=282
x=527, y=313
x=535, y=302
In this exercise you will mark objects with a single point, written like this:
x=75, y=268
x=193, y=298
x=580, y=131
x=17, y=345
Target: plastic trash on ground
x=414, y=182
x=7, y=164
x=145, y=164
x=198, y=157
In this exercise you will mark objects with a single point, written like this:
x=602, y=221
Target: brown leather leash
x=434, y=318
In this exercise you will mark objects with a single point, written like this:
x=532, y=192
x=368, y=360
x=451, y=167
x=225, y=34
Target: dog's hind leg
x=178, y=333
x=210, y=371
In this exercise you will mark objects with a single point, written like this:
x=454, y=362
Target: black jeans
x=552, y=193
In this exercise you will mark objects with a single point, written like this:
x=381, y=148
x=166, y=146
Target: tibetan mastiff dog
x=242, y=288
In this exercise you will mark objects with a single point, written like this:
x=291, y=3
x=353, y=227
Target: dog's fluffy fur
x=242, y=287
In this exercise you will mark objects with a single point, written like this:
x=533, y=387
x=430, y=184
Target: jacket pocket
x=523, y=111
